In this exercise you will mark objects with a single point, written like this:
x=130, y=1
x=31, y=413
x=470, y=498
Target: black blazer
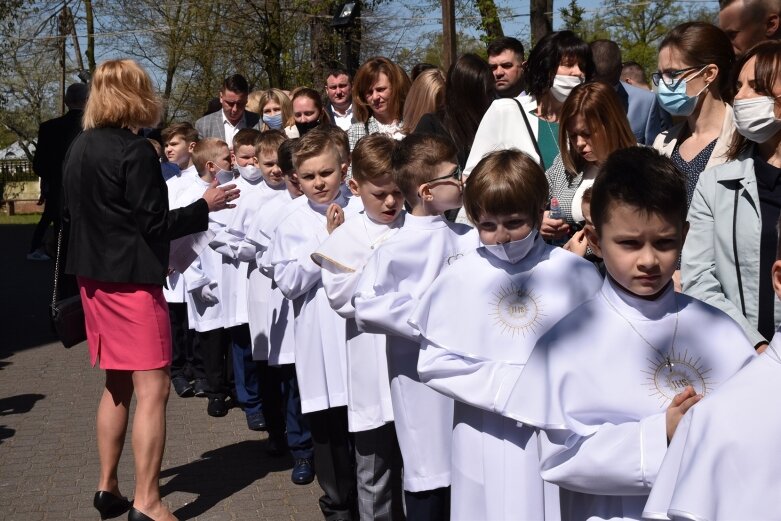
x=54, y=138
x=117, y=203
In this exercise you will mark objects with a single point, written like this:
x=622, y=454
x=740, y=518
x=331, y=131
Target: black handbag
x=67, y=315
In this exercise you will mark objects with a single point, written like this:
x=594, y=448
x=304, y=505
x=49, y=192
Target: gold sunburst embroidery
x=516, y=310
x=668, y=375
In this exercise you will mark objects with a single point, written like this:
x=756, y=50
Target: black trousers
x=186, y=361
x=428, y=505
x=50, y=215
x=334, y=463
x=217, y=362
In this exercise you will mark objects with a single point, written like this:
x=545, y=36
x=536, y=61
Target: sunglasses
x=455, y=174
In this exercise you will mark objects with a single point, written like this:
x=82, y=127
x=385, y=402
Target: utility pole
x=448, y=33
x=64, y=31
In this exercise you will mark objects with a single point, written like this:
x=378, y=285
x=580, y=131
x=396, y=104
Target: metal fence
x=16, y=170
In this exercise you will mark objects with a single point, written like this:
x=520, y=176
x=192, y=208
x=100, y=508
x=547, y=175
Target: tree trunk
x=491, y=23
x=541, y=14
x=90, y=17
x=321, y=41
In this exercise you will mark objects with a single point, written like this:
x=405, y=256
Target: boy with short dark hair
x=402, y=268
x=343, y=256
x=618, y=373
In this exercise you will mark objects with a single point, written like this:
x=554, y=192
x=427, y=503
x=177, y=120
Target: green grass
x=32, y=218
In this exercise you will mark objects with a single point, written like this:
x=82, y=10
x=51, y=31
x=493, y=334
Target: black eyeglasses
x=673, y=78
x=455, y=174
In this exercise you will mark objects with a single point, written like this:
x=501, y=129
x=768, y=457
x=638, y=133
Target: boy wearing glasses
x=401, y=269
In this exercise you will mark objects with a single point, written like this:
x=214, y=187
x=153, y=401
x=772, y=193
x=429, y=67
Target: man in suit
x=748, y=22
x=645, y=116
x=339, y=88
x=54, y=138
x=225, y=123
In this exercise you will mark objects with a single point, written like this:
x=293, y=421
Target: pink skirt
x=127, y=325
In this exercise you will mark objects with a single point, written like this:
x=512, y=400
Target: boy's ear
x=233, y=158
x=344, y=167
x=353, y=186
x=776, y=274
x=424, y=192
x=593, y=239
x=191, y=147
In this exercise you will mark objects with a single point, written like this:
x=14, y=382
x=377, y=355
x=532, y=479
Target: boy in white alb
x=233, y=291
x=319, y=332
x=187, y=376
x=720, y=463
x=342, y=257
x=614, y=377
x=398, y=273
x=203, y=279
x=506, y=295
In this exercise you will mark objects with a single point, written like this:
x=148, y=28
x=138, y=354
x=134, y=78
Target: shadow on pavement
x=20, y=404
x=26, y=288
x=219, y=474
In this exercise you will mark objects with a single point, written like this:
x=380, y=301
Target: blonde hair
x=206, y=150
x=372, y=157
x=121, y=95
x=315, y=143
x=279, y=97
x=427, y=94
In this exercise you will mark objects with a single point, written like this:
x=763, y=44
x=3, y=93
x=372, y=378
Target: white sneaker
x=38, y=255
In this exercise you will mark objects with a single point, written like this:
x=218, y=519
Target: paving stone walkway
x=213, y=469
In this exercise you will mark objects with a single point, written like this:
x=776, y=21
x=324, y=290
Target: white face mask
x=755, y=118
x=250, y=173
x=563, y=85
x=223, y=176
x=513, y=251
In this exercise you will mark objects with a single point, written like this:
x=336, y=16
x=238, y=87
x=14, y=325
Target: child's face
x=640, y=250
x=503, y=228
x=382, y=199
x=321, y=176
x=222, y=160
x=270, y=169
x=291, y=183
x=244, y=156
x=443, y=191
x=178, y=151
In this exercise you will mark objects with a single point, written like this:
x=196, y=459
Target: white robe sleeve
x=501, y=128
x=294, y=271
x=340, y=287
x=379, y=305
x=482, y=383
x=621, y=459
x=195, y=277
x=225, y=243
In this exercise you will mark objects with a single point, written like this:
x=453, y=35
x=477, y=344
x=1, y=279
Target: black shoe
x=276, y=446
x=217, y=407
x=303, y=472
x=109, y=505
x=137, y=515
x=200, y=387
x=256, y=421
x=182, y=386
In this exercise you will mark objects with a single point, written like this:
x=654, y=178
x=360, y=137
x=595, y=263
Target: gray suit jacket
x=211, y=124
x=642, y=110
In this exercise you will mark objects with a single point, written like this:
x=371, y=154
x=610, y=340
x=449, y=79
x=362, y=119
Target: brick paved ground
x=214, y=468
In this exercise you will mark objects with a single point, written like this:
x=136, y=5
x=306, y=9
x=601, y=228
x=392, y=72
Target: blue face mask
x=274, y=121
x=675, y=100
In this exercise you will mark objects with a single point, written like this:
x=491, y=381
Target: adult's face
x=305, y=110
x=507, y=69
x=339, y=90
x=744, y=32
x=233, y=104
x=378, y=97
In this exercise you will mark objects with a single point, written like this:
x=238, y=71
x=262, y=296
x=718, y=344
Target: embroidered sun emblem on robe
x=670, y=374
x=516, y=310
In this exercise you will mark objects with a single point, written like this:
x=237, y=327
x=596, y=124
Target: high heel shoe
x=109, y=505
x=136, y=515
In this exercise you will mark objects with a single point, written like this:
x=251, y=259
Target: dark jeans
x=428, y=505
x=215, y=348
x=186, y=361
x=245, y=370
x=282, y=408
x=334, y=462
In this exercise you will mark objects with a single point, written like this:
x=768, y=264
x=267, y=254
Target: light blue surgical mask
x=274, y=121
x=675, y=100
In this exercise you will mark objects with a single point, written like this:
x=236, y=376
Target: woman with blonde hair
x=120, y=229
x=274, y=107
x=380, y=89
x=427, y=94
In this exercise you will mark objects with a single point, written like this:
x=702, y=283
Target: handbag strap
x=55, y=292
x=531, y=133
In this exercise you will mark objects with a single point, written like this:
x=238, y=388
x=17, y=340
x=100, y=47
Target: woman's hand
x=220, y=197
x=577, y=244
x=552, y=229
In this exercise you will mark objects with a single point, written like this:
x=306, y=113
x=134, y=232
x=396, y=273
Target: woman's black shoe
x=137, y=515
x=109, y=505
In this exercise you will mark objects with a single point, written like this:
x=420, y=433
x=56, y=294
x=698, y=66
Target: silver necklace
x=664, y=357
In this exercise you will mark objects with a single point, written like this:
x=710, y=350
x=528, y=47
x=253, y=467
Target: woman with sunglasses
x=693, y=82
x=730, y=249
